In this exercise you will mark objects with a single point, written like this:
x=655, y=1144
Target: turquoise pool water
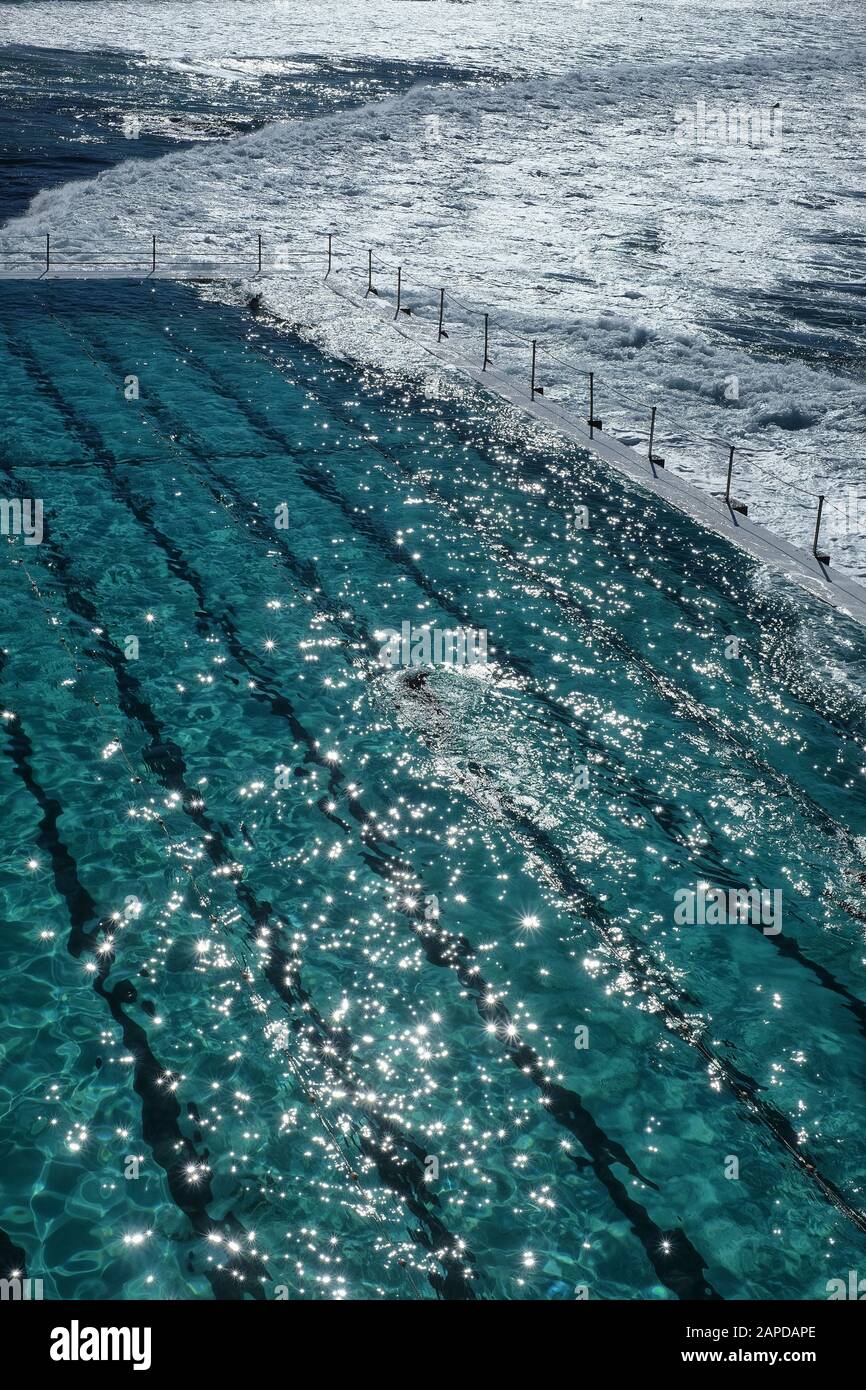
x=297, y=952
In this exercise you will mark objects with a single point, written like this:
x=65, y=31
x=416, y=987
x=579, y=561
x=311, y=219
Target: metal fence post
x=534, y=390
x=821, y=557
x=731, y=502
x=401, y=308
x=654, y=458
x=442, y=333
x=594, y=424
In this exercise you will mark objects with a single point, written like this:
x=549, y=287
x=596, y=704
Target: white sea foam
x=563, y=199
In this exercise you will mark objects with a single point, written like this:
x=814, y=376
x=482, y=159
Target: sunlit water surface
x=297, y=954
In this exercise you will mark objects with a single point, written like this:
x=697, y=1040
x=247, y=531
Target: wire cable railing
x=755, y=454
x=751, y=451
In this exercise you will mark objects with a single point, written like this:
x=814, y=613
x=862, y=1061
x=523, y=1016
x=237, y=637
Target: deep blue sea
x=323, y=979
x=70, y=115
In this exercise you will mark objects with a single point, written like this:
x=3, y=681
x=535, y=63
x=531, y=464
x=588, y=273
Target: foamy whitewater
x=591, y=188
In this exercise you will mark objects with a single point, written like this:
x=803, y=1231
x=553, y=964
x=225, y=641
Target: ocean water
x=571, y=178
x=321, y=981
x=69, y=115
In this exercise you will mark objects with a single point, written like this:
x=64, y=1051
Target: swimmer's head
x=415, y=680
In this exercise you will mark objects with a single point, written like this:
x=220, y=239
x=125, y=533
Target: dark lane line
x=171, y=1149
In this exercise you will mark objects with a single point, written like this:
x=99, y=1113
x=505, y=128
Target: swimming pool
x=331, y=982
